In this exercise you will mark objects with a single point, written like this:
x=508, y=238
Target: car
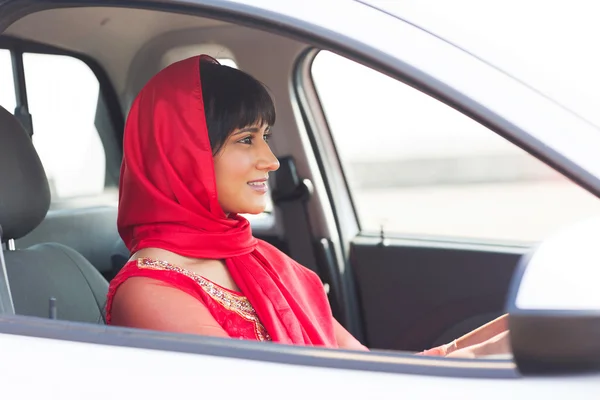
x=429, y=183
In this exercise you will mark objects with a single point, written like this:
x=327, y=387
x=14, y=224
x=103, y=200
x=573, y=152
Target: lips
x=259, y=185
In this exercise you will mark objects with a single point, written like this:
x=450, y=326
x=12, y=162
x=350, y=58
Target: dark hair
x=232, y=100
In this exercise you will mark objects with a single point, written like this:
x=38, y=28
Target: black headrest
x=24, y=190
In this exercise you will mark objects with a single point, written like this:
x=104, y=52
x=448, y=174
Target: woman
x=196, y=155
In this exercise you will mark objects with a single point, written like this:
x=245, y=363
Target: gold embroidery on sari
x=231, y=301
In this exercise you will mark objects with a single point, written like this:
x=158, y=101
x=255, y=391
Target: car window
x=62, y=92
x=7, y=94
x=417, y=166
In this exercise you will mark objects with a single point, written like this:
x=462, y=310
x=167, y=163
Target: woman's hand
x=488, y=339
x=499, y=344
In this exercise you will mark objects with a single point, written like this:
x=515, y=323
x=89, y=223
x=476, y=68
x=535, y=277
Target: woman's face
x=242, y=168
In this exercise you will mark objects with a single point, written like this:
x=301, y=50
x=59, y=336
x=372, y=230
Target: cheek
x=231, y=170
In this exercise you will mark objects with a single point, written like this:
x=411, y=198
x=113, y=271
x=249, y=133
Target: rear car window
x=63, y=92
x=7, y=92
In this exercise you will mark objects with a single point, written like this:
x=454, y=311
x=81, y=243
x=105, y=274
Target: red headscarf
x=168, y=200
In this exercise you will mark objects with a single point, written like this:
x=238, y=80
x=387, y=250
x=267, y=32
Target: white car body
x=55, y=359
x=70, y=370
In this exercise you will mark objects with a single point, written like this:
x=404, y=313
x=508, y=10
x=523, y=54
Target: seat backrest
x=37, y=273
x=71, y=227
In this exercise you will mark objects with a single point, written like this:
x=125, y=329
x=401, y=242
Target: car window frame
x=277, y=23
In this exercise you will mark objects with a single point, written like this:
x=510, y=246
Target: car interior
x=83, y=228
x=43, y=270
x=399, y=292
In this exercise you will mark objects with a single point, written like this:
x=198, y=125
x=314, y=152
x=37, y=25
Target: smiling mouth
x=259, y=186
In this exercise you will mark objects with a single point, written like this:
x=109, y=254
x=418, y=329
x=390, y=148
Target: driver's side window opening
x=86, y=85
x=416, y=166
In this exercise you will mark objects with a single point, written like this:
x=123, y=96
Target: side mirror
x=554, y=303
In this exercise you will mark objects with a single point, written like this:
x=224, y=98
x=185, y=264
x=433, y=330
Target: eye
x=246, y=140
x=267, y=137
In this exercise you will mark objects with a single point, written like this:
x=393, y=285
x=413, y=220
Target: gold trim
x=229, y=300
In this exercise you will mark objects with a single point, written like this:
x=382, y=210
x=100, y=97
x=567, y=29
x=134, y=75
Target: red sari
x=168, y=200
x=230, y=309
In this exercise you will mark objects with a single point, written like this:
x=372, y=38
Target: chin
x=254, y=209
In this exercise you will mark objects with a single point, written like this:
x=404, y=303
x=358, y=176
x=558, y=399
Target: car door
x=327, y=372
x=441, y=208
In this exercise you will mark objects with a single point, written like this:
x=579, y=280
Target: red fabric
x=168, y=200
x=232, y=322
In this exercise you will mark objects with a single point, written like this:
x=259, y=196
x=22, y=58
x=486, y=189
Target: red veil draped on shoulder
x=168, y=200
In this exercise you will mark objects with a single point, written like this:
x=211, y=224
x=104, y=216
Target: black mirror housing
x=554, y=303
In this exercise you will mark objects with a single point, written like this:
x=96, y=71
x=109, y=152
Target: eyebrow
x=251, y=129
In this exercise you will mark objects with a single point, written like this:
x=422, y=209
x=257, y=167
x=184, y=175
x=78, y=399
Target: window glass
x=7, y=91
x=417, y=166
x=63, y=93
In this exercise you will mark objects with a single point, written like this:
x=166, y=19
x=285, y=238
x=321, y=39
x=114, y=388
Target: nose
x=267, y=160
